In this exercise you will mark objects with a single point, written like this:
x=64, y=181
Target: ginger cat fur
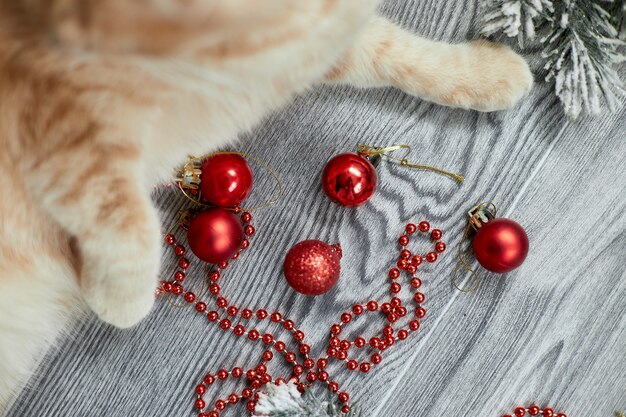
x=101, y=99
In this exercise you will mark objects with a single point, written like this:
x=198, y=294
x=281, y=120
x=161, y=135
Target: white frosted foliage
x=285, y=400
x=582, y=43
x=512, y=17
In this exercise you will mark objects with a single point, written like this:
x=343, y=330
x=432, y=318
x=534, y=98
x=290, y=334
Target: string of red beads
x=306, y=371
x=534, y=410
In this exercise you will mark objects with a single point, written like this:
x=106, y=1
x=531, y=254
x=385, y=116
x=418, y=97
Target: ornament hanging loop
x=463, y=263
x=367, y=150
x=478, y=215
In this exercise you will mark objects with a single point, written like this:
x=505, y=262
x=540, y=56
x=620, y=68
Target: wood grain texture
x=553, y=331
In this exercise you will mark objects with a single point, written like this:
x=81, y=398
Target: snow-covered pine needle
x=285, y=400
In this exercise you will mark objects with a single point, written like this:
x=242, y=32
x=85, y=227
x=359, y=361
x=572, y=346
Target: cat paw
x=119, y=284
x=495, y=79
x=121, y=304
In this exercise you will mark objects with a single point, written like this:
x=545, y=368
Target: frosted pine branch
x=580, y=54
x=617, y=10
x=285, y=400
x=514, y=18
x=583, y=41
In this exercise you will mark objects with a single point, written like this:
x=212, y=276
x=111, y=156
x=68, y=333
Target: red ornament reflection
x=226, y=179
x=349, y=179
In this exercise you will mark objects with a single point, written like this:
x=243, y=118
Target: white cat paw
x=119, y=285
x=121, y=304
x=496, y=78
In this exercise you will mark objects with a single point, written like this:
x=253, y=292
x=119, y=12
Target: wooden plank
x=153, y=368
x=555, y=330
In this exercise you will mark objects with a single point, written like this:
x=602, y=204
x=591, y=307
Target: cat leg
x=37, y=296
x=478, y=75
x=92, y=185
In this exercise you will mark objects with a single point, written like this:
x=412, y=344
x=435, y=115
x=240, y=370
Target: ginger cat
x=100, y=99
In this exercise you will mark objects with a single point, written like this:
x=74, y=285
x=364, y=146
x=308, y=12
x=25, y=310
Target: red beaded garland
x=170, y=239
x=190, y=297
x=199, y=403
x=534, y=410
x=305, y=372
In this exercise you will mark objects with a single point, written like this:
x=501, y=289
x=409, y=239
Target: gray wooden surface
x=552, y=332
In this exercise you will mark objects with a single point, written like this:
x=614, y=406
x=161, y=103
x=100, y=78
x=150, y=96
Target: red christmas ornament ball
x=500, y=245
x=215, y=235
x=349, y=179
x=312, y=267
x=226, y=179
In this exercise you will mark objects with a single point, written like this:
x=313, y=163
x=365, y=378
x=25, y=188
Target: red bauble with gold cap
x=215, y=235
x=226, y=179
x=500, y=245
x=349, y=179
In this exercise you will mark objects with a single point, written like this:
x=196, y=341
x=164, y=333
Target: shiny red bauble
x=349, y=179
x=500, y=245
x=226, y=179
x=312, y=267
x=215, y=235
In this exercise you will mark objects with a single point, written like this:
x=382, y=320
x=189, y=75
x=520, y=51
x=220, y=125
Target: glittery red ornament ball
x=215, y=235
x=312, y=267
x=226, y=179
x=349, y=179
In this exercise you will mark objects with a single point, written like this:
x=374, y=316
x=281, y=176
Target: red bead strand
x=309, y=370
x=534, y=410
